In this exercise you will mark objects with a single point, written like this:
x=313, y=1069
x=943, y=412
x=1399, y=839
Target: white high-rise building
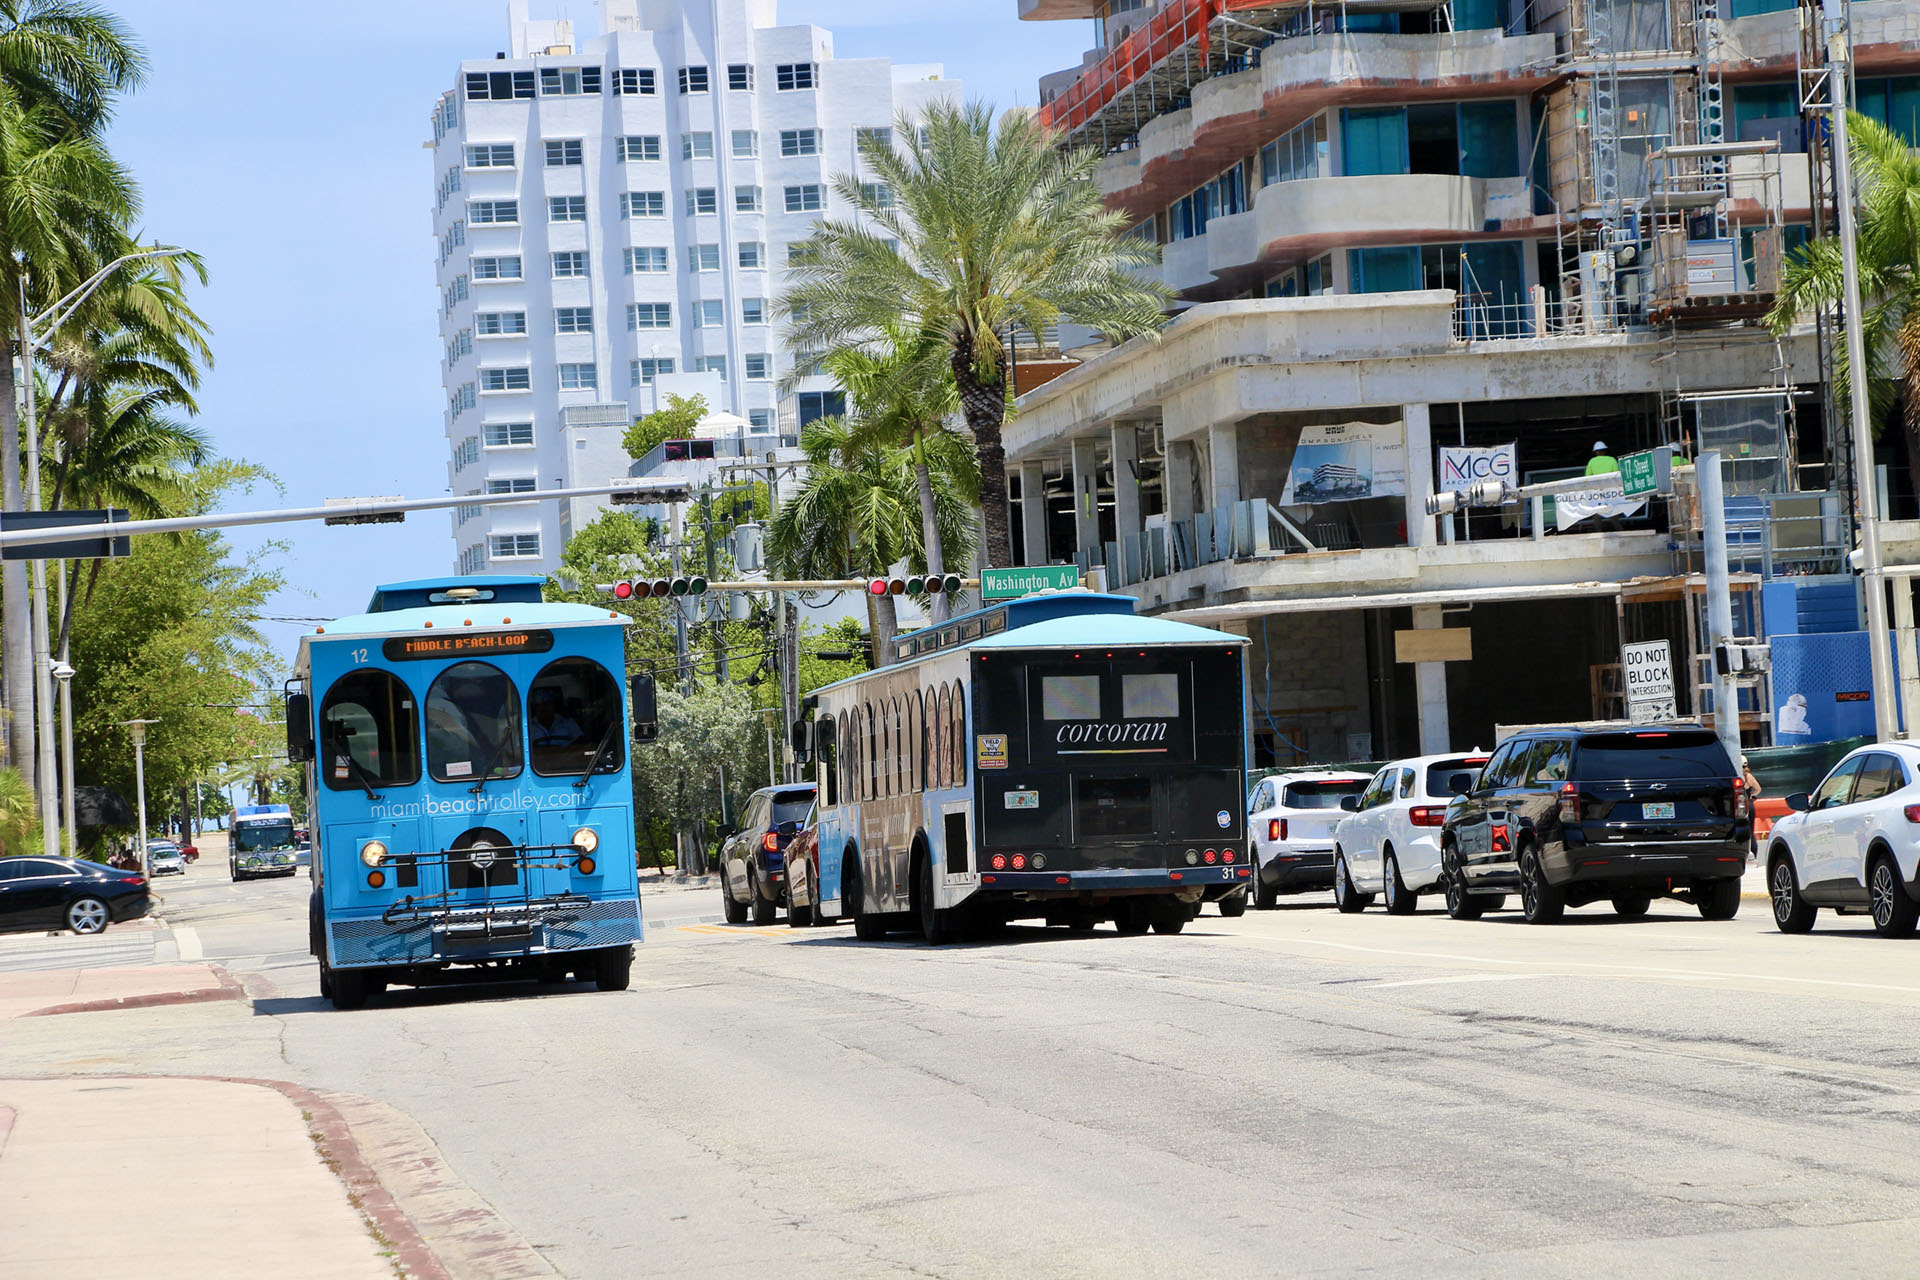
x=614, y=219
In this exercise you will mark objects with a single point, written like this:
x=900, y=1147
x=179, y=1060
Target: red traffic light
x=623, y=590
x=877, y=587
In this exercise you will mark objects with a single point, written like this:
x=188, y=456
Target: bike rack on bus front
x=493, y=919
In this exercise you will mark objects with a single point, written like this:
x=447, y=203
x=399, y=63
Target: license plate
x=1657, y=812
x=1022, y=799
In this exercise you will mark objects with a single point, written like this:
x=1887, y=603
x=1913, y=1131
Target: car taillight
x=1742, y=802
x=1569, y=802
x=1913, y=813
x=1428, y=815
x=1208, y=856
x=1276, y=829
x=770, y=842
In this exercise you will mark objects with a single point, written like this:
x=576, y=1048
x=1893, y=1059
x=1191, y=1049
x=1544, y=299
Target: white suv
x=1389, y=842
x=1291, y=817
x=1853, y=845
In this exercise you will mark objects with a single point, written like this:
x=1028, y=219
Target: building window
x=573, y=319
x=704, y=257
x=815, y=405
x=515, y=484
x=760, y=419
x=646, y=260
x=579, y=377
x=746, y=144
x=702, y=200
x=1298, y=153
x=506, y=268
x=637, y=147
x=713, y=314
x=872, y=137
x=562, y=152
x=643, y=204
x=645, y=371
x=493, y=213
x=517, y=379
x=462, y=400
x=650, y=315
x=636, y=82
x=696, y=146
x=759, y=368
x=466, y=453
x=569, y=266
x=513, y=546
x=806, y=199
x=712, y=364
x=490, y=155
x=802, y=253
x=799, y=142
x=569, y=82
x=794, y=75
x=499, y=86
x=566, y=208
x=693, y=80
x=502, y=435
x=876, y=195
x=753, y=311
x=1468, y=139
x=753, y=256
x=746, y=199
x=740, y=77
x=501, y=324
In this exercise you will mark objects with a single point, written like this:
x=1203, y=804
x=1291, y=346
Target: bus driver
x=551, y=726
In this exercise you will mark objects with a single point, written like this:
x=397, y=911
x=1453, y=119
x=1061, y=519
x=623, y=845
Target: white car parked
x=1389, y=842
x=1853, y=845
x=1291, y=817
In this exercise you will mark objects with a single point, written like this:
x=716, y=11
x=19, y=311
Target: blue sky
x=283, y=142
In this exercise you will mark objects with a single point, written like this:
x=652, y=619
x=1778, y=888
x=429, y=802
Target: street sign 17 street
x=1645, y=473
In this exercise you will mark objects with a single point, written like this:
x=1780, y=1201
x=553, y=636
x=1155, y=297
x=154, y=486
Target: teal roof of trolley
x=516, y=616
x=1102, y=630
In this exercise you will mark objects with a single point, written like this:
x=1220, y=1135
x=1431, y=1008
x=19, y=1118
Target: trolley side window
x=369, y=733
x=573, y=707
x=473, y=724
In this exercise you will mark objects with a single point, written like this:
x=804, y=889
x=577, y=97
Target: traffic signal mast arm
x=1498, y=493
x=952, y=582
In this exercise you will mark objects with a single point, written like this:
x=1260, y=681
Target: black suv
x=753, y=861
x=1572, y=816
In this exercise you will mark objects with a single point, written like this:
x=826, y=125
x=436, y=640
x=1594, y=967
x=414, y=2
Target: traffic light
x=656, y=588
x=919, y=584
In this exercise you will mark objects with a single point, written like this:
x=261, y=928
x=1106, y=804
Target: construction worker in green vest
x=1602, y=463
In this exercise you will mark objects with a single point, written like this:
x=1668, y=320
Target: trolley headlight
x=586, y=840
x=373, y=853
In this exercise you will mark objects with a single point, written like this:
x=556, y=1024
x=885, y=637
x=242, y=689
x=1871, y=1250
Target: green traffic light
x=697, y=586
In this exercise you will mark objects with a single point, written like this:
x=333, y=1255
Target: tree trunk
x=1909, y=339
x=929, y=525
x=985, y=407
x=16, y=649
x=882, y=653
x=186, y=815
x=889, y=625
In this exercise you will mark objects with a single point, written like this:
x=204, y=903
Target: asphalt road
x=1291, y=1093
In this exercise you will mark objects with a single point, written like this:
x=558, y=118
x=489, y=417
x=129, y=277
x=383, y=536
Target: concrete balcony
x=1886, y=39
x=1046, y=10
x=1185, y=265
x=1234, y=115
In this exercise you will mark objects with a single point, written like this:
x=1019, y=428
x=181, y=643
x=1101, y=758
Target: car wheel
x=1461, y=905
x=1130, y=919
x=87, y=915
x=1169, y=924
x=1265, y=896
x=1345, y=896
x=1894, y=913
x=764, y=909
x=613, y=969
x=1720, y=900
x=1400, y=900
x=1234, y=904
x=1540, y=902
x=736, y=912
x=1631, y=906
x=1791, y=912
x=936, y=926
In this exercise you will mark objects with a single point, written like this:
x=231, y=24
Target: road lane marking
x=1457, y=977
x=187, y=941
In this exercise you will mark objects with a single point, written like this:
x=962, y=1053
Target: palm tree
x=70, y=55
x=853, y=516
x=903, y=395
x=974, y=231
x=1887, y=251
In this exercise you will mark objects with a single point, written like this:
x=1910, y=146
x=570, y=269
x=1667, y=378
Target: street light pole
x=52, y=318
x=138, y=728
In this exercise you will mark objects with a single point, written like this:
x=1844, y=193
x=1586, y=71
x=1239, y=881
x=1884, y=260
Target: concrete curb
x=227, y=990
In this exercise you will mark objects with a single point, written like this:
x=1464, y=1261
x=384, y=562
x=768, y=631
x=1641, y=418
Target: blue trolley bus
x=469, y=788
x=1052, y=757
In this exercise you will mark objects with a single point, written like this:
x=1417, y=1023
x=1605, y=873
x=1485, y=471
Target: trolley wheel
x=1169, y=924
x=613, y=969
x=348, y=989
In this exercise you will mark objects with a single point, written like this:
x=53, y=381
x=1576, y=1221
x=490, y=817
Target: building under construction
x=1512, y=233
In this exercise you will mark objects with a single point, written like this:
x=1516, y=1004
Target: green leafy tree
x=69, y=56
x=19, y=816
x=710, y=740
x=972, y=230
x=1888, y=260
x=675, y=422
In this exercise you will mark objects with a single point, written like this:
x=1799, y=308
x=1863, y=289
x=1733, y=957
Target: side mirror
x=299, y=727
x=1460, y=783
x=801, y=736
x=1799, y=802
x=644, y=707
x=1350, y=803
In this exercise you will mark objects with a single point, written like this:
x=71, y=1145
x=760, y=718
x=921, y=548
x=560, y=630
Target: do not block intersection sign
x=1648, y=671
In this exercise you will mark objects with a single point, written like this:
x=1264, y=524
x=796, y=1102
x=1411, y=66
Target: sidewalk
x=46, y=992
x=171, y=1178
